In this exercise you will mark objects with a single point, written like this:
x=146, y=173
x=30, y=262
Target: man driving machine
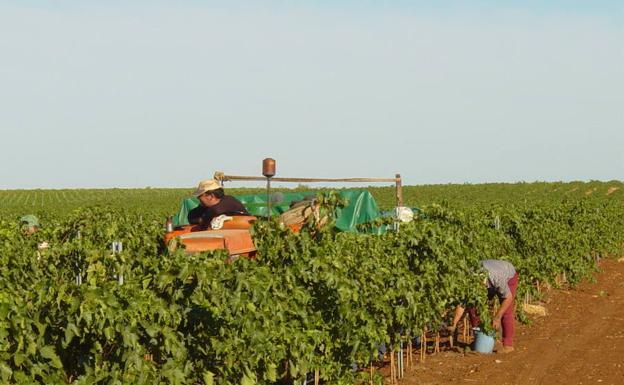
x=212, y=203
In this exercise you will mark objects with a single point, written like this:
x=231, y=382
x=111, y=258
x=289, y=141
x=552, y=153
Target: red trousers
x=508, y=319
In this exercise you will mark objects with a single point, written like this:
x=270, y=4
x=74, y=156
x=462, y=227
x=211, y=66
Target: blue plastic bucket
x=483, y=343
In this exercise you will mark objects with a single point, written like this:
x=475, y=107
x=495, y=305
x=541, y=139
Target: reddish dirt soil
x=580, y=341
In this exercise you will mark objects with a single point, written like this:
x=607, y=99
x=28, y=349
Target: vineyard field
x=316, y=302
x=166, y=200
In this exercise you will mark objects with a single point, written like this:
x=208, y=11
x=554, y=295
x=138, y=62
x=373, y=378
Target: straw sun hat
x=205, y=186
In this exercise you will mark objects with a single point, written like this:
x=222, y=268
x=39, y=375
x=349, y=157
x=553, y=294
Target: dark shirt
x=228, y=205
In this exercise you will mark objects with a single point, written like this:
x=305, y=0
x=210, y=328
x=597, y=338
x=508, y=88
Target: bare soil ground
x=580, y=341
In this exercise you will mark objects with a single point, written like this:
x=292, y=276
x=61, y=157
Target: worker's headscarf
x=29, y=221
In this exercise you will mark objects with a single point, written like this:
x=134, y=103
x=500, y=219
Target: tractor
x=292, y=207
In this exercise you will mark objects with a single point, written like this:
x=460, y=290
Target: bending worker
x=212, y=203
x=502, y=281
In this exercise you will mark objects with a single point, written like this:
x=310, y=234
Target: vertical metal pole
x=399, y=361
x=399, y=201
x=118, y=248
x=399, y=190
x=400, y=370
x=78, y=266
x=402, y=361
x=268, y=170
x=401, y=373
x=269, y=197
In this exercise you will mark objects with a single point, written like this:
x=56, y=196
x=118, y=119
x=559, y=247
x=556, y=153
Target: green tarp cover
x=360, y=208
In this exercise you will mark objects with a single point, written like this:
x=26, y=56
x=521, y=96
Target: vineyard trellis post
x=117, y=248
x=78, y=263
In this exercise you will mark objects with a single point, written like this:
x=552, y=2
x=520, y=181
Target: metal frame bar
x=220, y=176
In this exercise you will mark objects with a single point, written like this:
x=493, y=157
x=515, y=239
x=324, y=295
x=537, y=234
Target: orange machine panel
x=234, y=236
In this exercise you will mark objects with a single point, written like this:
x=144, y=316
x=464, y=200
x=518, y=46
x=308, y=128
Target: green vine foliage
x=79, y=312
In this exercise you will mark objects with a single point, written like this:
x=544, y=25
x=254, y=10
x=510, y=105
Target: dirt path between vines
x=580, y=341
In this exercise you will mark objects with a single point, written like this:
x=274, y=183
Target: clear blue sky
x=159, y=93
